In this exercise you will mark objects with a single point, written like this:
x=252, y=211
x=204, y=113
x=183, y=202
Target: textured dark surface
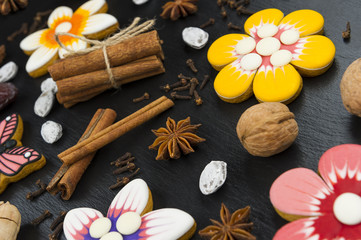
x=323, y=121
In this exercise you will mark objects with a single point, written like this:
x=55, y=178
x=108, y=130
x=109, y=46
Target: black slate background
x=323, y=121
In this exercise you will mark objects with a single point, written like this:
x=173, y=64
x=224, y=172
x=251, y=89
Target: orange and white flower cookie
x=269, y=60
x=90, y=20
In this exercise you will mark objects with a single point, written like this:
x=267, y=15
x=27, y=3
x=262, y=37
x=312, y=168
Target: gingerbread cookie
x=269, y=60
x=129, y=217
x=16, y=161
x=10, y=221
x=90, y=20
x=326, y=207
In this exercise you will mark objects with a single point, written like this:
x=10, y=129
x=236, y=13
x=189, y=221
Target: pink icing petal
x=301, y=192
x=298, y=230
x=340, y=167
x=8, y=128
x=78, y=221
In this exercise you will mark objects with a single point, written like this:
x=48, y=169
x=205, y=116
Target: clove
x=165, y=88
x=124, y=162
x=197, y=98
x=223, y=12
x=42, y=188
x=221, y=2
x=181, y=76
x=129, y=167
x=234, y=27
x=175, y=96
x=121, y=182
x=37, y=20
x=168, y=87
x=2, y=53
x=22, y=30
x=347, y=33
x=240, y=3
x=56, y=233
x=211, y=21
x=183, y=88
x=190, y=63
x=139, y=99
x=204, y=82
x=122, y=158
x=46, y=214
x=58, y=220
x=243, y=10
x=194, y=83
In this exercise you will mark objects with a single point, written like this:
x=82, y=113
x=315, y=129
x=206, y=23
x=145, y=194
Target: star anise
x=174, y=9
x=232, y=227
x=6, y=6
x=176, y=138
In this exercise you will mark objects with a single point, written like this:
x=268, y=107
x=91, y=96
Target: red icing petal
x=301, y=192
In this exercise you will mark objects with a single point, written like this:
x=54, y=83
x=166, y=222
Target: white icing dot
x=63, y=27
x=267, y=30
x=7, y=118
x=129, y=223
x=246, y=45
x=100, y=227
x=290, y=37
x=347, y=208
x=112, y=236
x=281, y=58
x=251, y=61
x=27, y=154
x=268, y=46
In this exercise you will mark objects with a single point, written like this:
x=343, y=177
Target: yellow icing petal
x=270, y=16
x=233, y=84
x=94, y=6
x=315, y=55
x=40, y=60
x=222, y=51
x=306, y=21
x=31, y=42
x=60, y=14
x=75, y=45
x=98, y=23
x=280, y=84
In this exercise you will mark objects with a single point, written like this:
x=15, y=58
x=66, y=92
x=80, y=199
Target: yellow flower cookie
x=269, y=60
x=90, y=20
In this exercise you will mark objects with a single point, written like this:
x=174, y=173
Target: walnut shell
x=267, y=129
x=351, y=88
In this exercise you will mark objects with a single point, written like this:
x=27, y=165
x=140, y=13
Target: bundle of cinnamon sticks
x=80, y=78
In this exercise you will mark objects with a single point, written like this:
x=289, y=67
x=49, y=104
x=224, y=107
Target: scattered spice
x=12, y=5
x=121, y=159
x=59, y=219
x=46, y=214
x=194, y=83
x=211, y=21
x=197, y=98
x=183, y=88
x=243, y=10
x=235, y=226
x=129, y=167
x=56, y=233
x=223, y=12
x=347, y=33
x=236, y=4
x=190, y=64
x=181, y=76
x=221, y=2
x=42, y=188
x=204, y=82
x=38, y=20
x=175, y=138
x=177, y=8
x=2, y=53
x=121, y=182
x=22, y=30
x=139, y=99
x=234, y=27
x=175, y=96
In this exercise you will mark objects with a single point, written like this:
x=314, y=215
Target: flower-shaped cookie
x=327, y=208
x=129, y=218
x=89, y=21
x=267, y=62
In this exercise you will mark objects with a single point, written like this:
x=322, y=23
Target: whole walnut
x=267, y=129
x=351, y=88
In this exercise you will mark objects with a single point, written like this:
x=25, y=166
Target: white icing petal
x=251, y=61
x=32, y=42
x=213, y=177
x=76, y=45
x=63, y=27
x=133, y=197
x=268, y=46
x=100, y=227
x=246, y=45
x=267, y=30
x=93, y=6
x=40, y=57
x=112, y=236
x=167, y=223
x=281, y=58
x=77, y=220
x=139, y=2
x=128, y=223
x=290, y=37
x=8, y=71
x=59, y=13
x=98, y=23
x=347, y=208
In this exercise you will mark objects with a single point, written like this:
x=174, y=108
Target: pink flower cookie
x=90, y=20
x=327, y=208
x=129, y=218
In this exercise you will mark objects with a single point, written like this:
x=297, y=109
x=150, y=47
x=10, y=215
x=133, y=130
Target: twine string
x=132, y=30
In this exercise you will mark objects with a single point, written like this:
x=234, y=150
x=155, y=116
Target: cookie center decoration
x=63, y=27
x=347, y=208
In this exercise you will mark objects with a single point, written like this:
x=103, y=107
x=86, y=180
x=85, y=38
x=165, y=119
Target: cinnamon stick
x=68, y=176
x=143, y=45
x=114, y=131
x=76, y=87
